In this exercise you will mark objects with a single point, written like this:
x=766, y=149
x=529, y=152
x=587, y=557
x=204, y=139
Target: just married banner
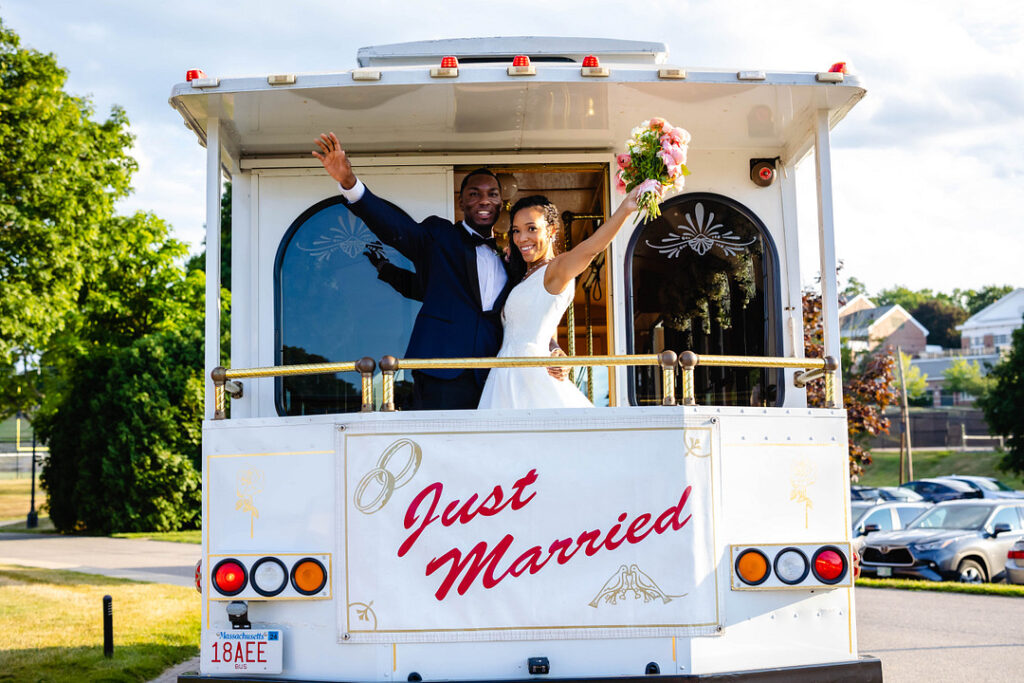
x=519, y=529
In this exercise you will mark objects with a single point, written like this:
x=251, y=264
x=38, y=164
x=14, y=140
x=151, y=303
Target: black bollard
x=108, y=626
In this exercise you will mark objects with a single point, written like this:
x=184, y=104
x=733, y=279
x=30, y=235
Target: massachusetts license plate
x=884, y=571
x=257, y=651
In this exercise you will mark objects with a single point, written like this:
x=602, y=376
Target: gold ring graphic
x=387, y=481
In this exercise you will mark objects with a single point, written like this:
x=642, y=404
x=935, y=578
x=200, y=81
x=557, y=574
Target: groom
x=464, y=280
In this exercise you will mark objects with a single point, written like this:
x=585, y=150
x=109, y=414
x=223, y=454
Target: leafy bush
x=1004, y=403
x=125, y=440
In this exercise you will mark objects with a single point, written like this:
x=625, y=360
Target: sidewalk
x=141, y=560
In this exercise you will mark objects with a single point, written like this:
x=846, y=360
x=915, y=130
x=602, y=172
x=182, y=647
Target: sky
x=928, y=169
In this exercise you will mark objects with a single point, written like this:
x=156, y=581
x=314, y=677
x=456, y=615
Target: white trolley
x=694, y=526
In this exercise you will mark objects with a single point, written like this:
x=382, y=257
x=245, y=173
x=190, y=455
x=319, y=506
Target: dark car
x=937, y=490
x=965, y=540
x=988, y=486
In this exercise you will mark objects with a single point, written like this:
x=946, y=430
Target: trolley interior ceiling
x=406, y=111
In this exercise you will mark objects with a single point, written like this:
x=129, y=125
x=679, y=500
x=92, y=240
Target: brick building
x=866, y=327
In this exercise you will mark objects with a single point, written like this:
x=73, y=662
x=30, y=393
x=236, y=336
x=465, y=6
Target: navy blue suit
x=451, y=323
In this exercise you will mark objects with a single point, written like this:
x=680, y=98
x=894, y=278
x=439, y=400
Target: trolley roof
x=406, y=110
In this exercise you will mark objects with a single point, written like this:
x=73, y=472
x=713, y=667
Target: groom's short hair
x=479, y=171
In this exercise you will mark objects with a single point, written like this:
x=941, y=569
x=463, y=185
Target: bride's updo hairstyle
x=517, y=266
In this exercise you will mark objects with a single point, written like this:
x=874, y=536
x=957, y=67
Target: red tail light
x=829, y=565
x=1015, y=555
x=521, y=60
x=591, y=61
x=199, y=576
x=229, y=577
x=449, y=63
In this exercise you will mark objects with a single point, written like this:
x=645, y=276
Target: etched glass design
x=703, y=278
x=332, y=307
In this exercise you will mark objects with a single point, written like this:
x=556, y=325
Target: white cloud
x=925, y=167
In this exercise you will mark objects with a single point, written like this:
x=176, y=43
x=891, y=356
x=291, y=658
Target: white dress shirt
x=489, y=266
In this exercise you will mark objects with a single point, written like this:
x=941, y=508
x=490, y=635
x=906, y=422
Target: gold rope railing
x=224, y=379
x=811, y=369
x=389, y=365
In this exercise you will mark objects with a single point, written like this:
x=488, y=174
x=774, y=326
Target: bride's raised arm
x=569, y=265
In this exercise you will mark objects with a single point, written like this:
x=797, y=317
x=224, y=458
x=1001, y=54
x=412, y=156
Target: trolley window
x=704, y=278
x=331, y=306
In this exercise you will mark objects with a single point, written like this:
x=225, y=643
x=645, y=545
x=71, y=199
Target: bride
x=537, y=303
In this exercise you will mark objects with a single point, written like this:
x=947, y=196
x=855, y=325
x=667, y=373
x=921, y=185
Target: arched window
x=704, y=278
x=332, y=306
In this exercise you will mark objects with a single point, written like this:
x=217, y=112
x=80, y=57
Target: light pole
x=33, y=517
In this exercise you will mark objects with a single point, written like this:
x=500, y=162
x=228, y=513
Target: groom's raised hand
x=334, y=159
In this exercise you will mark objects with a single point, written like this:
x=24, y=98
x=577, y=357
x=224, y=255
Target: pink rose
x=677, y=136
x=620, y=184
x=625, y=160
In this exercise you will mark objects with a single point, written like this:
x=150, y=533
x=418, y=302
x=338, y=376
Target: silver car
x=870, y=518
x=965, y=540
x=1015, y=563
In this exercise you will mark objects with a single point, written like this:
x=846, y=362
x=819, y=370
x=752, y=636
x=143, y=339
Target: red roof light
x=193, y=74
x=449, y=63
x=590, y=61
x=838, y=68
x=521, y=60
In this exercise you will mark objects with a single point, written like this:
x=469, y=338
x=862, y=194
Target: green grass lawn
x=884, y=470
x=945, y=586
x=52, y=626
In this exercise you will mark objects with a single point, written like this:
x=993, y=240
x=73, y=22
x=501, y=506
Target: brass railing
x=224, y=380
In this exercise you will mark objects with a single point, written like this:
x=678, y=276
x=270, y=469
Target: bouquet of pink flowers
x=654, y=160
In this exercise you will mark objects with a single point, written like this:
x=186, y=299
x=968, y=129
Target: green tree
x=868, y=387
x=940, y=317
x=101, y=325
x=199, y=260
x=916, y=381
x=60, y=174
x=966, y=378
x=975, y=300
x=854, y=287
x=125, y=438
x=1002, y=404
x=907, y=298
x=122, y=414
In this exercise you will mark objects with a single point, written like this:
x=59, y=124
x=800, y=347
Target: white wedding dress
x=530, y=319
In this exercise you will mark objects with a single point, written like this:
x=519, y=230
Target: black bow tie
x=476, y=240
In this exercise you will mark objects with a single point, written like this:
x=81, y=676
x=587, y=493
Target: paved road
x=929, y=636
x=156, y=561
x=919, y=636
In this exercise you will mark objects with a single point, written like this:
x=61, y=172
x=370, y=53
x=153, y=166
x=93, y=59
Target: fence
x=939, y=429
